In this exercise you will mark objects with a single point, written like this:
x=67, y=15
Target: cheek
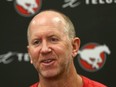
x=64, y=56
x=34, y=55
x=59, y=49
x=63, y=50
x=35, y=58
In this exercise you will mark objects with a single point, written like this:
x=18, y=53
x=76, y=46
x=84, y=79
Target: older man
x=52, y=46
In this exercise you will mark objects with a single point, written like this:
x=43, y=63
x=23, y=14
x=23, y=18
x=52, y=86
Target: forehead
x=46, y=31
x=50, y=20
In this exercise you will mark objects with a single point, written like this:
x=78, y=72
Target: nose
x=45, y=49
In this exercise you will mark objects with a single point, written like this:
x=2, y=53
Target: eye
x=36, y=42
x=54, y=39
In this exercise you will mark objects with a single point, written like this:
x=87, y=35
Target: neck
x=70, y=79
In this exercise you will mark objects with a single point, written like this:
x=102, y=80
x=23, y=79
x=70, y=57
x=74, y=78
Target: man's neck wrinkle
x=69, y=80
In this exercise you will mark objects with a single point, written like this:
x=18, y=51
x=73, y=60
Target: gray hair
x=70, y=27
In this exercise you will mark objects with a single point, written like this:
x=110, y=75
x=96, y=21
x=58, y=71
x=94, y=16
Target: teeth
x=47, y=61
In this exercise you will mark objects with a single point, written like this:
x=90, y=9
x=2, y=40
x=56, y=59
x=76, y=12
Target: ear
x=75, y=45
x=28, y=49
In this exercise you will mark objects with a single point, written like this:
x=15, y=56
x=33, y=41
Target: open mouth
x=48, y=62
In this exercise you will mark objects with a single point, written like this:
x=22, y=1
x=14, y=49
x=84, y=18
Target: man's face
x=49, y=48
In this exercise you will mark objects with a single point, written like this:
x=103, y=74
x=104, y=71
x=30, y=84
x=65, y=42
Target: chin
x=49, y=74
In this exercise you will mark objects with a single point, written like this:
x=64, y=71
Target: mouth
x=48, y=62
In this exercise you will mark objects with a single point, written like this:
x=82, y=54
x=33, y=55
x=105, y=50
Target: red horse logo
x=27, y=7
x=93, y=56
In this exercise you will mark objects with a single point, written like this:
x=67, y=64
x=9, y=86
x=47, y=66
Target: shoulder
x=91, y=83
x=35, y=85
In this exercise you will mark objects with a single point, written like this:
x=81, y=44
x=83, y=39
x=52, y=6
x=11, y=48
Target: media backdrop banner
x=95, y=24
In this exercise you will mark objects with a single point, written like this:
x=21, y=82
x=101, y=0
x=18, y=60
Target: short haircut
x=69, y=25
